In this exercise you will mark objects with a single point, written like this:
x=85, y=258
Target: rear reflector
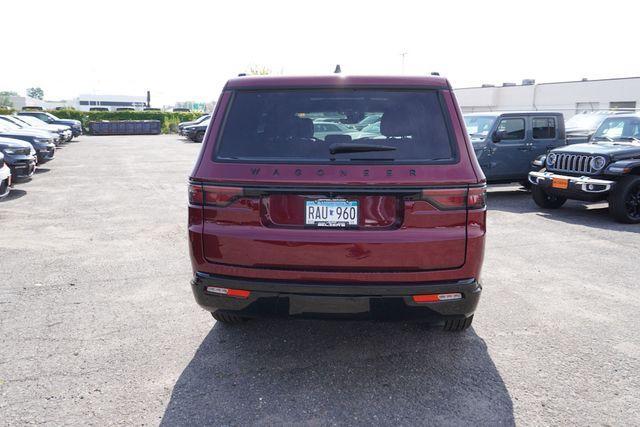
x=437, y=297
x=213, y=195
x=238, y=293
x=456, y=198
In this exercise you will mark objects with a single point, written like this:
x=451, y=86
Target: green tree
x=259, y=70
x=35, y=92
x=5, y=101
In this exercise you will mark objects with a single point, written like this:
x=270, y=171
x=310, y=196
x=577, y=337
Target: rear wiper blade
x=340, y=147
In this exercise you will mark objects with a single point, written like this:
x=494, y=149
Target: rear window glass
x=338, y=126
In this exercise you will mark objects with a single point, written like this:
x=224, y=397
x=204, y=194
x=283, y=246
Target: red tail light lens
x=195, y=194
x=456, y=198
x=213, y=195
x=477, y=198
x=446, y=199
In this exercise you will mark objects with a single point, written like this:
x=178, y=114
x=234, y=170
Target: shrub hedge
x=168, y=120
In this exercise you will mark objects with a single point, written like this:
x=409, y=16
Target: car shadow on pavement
x=322, y=372
x=14, y=194
x=595, y=214
x=40, y=170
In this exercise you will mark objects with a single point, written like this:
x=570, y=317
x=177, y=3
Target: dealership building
x=112, y=102
x=82, y=102
x=569, y=97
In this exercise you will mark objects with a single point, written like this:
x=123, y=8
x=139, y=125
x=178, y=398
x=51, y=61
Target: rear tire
x=546, y=201
x=199, y=136
x=458, y=325
x=228, y=318
x=624, y=201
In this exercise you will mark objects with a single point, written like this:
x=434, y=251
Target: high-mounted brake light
x=213, y=195
x=456, y=198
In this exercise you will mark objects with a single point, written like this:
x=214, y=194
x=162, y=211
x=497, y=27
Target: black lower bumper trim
x=380, y=301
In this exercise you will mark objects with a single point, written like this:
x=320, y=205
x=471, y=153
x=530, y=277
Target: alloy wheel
x=632, y=202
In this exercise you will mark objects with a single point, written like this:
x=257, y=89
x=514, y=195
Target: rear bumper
x=581, y=188
x=380, y=301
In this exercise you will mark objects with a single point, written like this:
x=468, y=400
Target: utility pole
x=403, y=54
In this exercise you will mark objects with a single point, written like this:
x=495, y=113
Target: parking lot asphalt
x=98, y=324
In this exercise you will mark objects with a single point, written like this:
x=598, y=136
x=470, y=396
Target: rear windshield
x=337, y=126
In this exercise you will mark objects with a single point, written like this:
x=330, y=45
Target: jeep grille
x=574, y=163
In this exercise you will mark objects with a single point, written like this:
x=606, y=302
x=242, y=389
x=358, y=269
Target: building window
x=544, y=128
x=511, y=129
x=586, y=107
x=622, y=105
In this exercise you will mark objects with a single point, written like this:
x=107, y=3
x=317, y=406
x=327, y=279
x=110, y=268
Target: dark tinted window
x=304, y=125
x=544, y=127
x=511, y=129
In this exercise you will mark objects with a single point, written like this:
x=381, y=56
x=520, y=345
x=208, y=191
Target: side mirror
x=497, y=136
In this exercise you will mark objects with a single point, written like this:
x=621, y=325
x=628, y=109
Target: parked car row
x=195, y=129
x=27, y=141
x=595, y=158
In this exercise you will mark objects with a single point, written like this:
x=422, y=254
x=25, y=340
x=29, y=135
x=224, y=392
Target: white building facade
x=567, y=97
x=88, y=102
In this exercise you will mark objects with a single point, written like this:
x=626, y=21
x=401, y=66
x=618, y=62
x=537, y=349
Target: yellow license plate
x=560, y=183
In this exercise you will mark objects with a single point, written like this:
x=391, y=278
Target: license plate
x=560, y=183
x=331, y=213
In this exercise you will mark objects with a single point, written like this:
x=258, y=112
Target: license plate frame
x=559, y=183
x=331, y=213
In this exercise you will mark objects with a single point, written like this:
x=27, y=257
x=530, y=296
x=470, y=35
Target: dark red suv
x=338, y=197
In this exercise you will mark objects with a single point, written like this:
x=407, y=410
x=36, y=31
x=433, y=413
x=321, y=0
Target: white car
x=63, y=131
x=322, y=129
x=5, y=178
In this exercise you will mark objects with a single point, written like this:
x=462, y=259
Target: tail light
x=477, y=198
x=456, y=198
x=213, y=195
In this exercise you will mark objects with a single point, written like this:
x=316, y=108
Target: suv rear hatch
x=289, y=182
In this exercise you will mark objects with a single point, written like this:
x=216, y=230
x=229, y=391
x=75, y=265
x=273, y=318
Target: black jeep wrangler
x=606, y=168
